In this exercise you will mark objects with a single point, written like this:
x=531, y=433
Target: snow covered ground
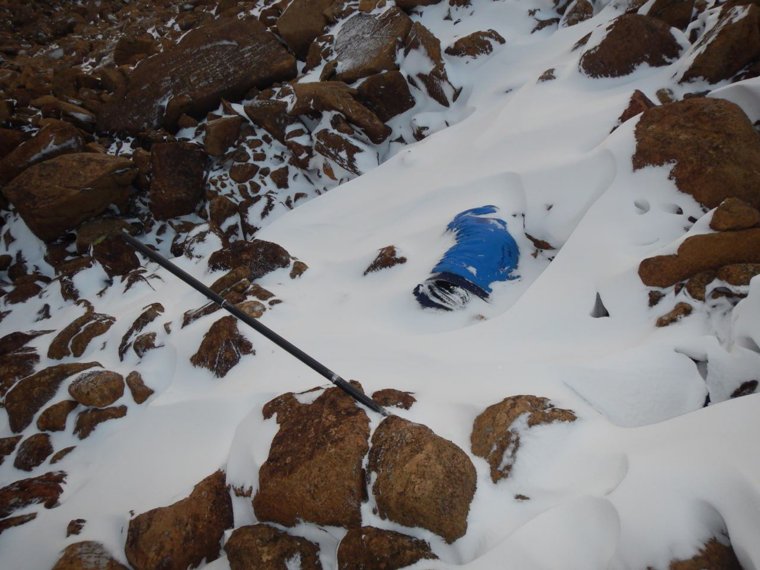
x=646, y=475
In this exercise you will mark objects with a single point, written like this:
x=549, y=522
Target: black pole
x=255, y=324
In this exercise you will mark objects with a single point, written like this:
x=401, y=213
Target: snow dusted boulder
x=314, y=469
x=631, y=40
x=637, y=104
x=33, y=451
x=699, y=131
x=44, y=489
x=496, y=432
x=57, y=195
x=734, y=214
x=179, y=177
x=74, y=339
x=675, y=13
x=97, y=388
x=222, y=59
x=184, y=533
x=421, y=479
x=264, y=547
x=475, y=44
x=87, y=555
x=8, y=446
x=301, y=22
x=258, y=256
x=370, y=547
x=423, y=48
x=738, y=274
x=728, y=47
x=222, y=347
x=386, y=94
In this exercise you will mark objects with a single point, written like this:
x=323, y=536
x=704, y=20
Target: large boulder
x=265, y=548
x=222, y=347
x=97, y=388
x=369, y=548
x=87, y=555
x=314, y=469
x=301, y=22
x=699, y=131
x=179, y=177
x=222, y=59
x=421, y=479
x=496, y=437
x=631, y=40
x=184, y=533
x=59, y=194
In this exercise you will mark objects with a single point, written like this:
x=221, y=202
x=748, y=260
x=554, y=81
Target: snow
x=645, y=475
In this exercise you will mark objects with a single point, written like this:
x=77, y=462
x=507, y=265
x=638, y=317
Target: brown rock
x=266, y=548
x=314, y=469
x=376, y=37
x=421, y=479
x=745, y=389
x=94, y=231
x=637, y=105
x=734, y=214
x=728, y=47
x=577, y=12
x=222, y=59
x=75, y=337
x=88, y=420
x=436, y=80
x=98, y=388
x=270, y=114
x=24, y=400
x=222, y=347
x=298, y=269
x=59, y=455
x=699, y=131
x=338, y=148
x=52, y=106
x=184, y=533
x=8, y=446
x=242, y=173
x=253, y=309
x=9, y=140
x=221, y=134
x=675, y=13
x=301, y=22
x=259, y=256
x=87, y=555
x=145, y=343
x=714, y=555
x=697, y=285
x=57, y=195
x=386, y=94
x=678, y=312
x=44, y=489
x=140, y=392
x=632, y=39
x=475, y=44
x=496, y=438
x=150, y=313
x=49, y=142
x=129, y=50
x=179, y=178
x=115, y=256
x=395, y=398
x=739, y=274
x=54, y=417
x=33, y=451
x=386, y=258
x=75, y=527
x=700, y=253
x=16, y=359
x=368, y=548
x=12, y=522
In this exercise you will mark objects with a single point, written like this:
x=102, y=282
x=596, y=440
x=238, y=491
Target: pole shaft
x=256, y=325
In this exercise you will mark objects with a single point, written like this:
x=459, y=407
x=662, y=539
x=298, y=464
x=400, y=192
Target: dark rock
x=339, y=149
x=88, y=420
x=91, y=233
x=145, y=343
x=52, y=106
x=386, y=258
x=221, y=134
x=632, y=39
x=44, y=489
x=150, y=313
x=386, y=94
x=298, y=269
x=301, y=22
x=33, y=451
x=637, y=105
x=223, y=59
x=713, y=555
x=54, y=417
x=75, y=337
x=98, y=388
x=16, y=359
x=8, y=446
x=59, y=194
x=87, y=555
x=745, y=389
x=179, y=177
x=242, y=173
x=421, y=479
x=699, y=131
x=222, y=347
x=435, y=80
x=370, y=548
x=24, y=400
x=266, y=548
x=411, y=4
x=59, y=455
x=115, y=256
x=9, y=140
x=184, y=533
x=75, y=527
x=140, y=392
x=675, y=13
x=697, y=285
x=259, y=256
x=129, y=50
x=700, y=253
x=678, y=312
x=577, y=12
x=12, y=522
x=734, y=214
x=395, y=398
x=475, y=44
x=739, y=274
x=314, y=469
x=496, y=440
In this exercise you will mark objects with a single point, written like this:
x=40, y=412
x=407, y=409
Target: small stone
x=88, y=420
x=140, y=392
x=298, y=269
x=266, y=548
x=696, y=286
x=75, y=527
x=8, y=446
x=386, y=258
x=678, y=312
x=395, y=398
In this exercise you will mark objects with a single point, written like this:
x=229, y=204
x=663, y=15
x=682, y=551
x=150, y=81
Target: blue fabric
x=484, y=252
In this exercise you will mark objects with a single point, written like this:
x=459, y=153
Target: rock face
x=496, y=437
x=223, y=59
x=369, y=547
x=57, y=195
x=76, y=336
x=33, y=451
x=301, y=22
x=87, y=555
x=182, y=534
x=421, y=479
x=266, y=548
x=699, y=131
x=99, y=388
x=631, y=40
x=179, y=177
x=314, y=469
x=222, y=347
x=734, y=214
x=44, y=489
x=475, y=44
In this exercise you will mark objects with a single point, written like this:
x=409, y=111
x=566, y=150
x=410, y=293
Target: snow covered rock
x=57, y=195
x=496, y=432
x=387, y=257
x=734, y=214
x=677, y=14
x=222, y=347
x=314, y=469
x=739, y=274
x=87, y=555
x=699, y=131
x=91, y=418
x=16, y=359
x=43, y=489
x=264, y=547
x=369, y=547
x=475, y=44
x=430, y=69
x=258, y=256
x=577, y=12
x=33, y=451
x=74, y=339
x=179, y=176
x=386, y=94
x=390, y=397
x=184, y=533
x=714, y=554
x=421, y=479
x=8, y=446
x=631, y=40
x=54, y=417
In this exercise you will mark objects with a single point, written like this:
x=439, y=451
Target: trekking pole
x=255, y=324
